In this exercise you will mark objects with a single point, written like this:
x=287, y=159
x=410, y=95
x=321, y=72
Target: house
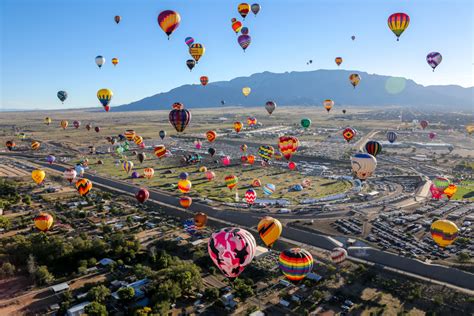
x=138, y=286
x=284, y=303
x=59, y=288
x=228, y=300
x=77, y=310
x=105, y=262
x=314, y=277
x=257, y=313
x=261, y=252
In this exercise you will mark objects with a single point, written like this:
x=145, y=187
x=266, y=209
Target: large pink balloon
x=231, y=249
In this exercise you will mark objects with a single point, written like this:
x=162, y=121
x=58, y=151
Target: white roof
x=257, y=313
x=78, y=309
x=60, y=287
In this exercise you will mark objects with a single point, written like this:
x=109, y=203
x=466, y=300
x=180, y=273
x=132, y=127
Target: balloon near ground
x=363, y=165
x=269, y=229
x=142, y=195
x=43, y=221
x=83, y=186
x=232, y=249
x=179, y=117
x=295, y=263
x=444, y=232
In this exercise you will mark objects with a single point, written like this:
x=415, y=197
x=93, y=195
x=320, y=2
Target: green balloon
x=306, y=122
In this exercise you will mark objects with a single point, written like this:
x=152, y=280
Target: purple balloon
x=434, y=59
x=189, y=41
x=244, y=41
x=183, y=175
x=50, y=159
x=244, y=30
x=135, y=175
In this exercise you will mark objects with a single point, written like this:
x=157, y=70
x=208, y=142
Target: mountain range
x=311, y=88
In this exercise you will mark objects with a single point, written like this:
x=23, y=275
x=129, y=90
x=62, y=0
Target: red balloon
x=292, y=165
x=142, y=195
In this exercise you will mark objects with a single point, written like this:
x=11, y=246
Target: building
x=59, y=288
x=261, y=252
x=77, y=310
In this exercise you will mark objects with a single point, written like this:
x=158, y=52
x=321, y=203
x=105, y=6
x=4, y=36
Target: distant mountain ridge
x=310, y=88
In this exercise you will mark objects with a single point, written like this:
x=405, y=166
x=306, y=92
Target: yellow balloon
x=115, y=61
x=470, y=129
x=47, y=120
x=246, y=91
x=444, y=232
x=196, y=51
x=269, y=229
x=38, y=176
x=105, y=96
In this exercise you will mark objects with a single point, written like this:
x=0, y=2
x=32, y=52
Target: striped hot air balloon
x=35, y=145
x=269, y=189
x=338, y=255
x=83, y=186
x=138, y=139
x=127, y=166
x=179, y=118
x=398, y=23
x=444, y=232
x=231, y=181
x=184, y=186
x=43, y=221
x=160, y=151
x=196, y=51
x=148, y=173
x=269, y=229
x=288, y=145
x=169, y=21
x=266, y=152
x=236, y=25
x=295, y=263
x=250, y=196
x=238, y=126
x=129, y=134
x=185, y=201
x=373, y=147
x=392, y=136
x=211, y=136
x=243, y=9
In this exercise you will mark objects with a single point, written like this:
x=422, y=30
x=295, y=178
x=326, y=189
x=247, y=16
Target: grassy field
x=167, y=171
x=465, y=191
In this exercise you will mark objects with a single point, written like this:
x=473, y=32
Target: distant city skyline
x=51, y=45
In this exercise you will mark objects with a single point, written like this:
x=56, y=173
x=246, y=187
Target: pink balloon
x=225, y=160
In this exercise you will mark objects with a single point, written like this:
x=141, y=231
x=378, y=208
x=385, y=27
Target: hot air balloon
x=432, y=135
x=76, y=124
x=255, y=8
x=210, y=175
x=270, y=106
x=97, y=129
x=184, y=175
x=35, y=145
x=353, y=37
x=256, y=183
x=424, y=124
x=204, y=80
x=115, y=61
x=295, y=263
x=10, y=144
x=138, y=140
x=288, y=145
x=363, y=165
x=47, y=120
x=305, y=122
x=211, y=136
x=70, y=174
x=169, y=21
x=251, y=121
x=88, y=127
x=372, y=147
x=348, y=134
x=202, y=169
x=306, y=183
x=231, y=181
x=198, y=144
x=129, y=134
x=105, y=96
x=43, y=221
x=246, y=91
x=189, y=41
x=244, y=41
x=190, y=63
x=441, y=183
x=251, y=159
x=354, y=79
x=243, y=9
x=444, y=232
x=211, y=151
x=162, y=134
x=62, y=96
x=185, y=201
x=180, y=118
x=269, y=189
x=50, y=159
x=200, y=220
x=450, y=190
x=142, y=195
x=225, y=160
x=244, y=31
x=197, y=51
x=434, y=59
x=292, y=165
x=99, y=60
x=184, y=186
x=243, y=147
x=38, y=176
x=250, y=196
x=160, y=151
x=117, y=19
x=64, y=124
x=236, y=25
x=398, y=22
x=435, y=192
x=266, y=152
x=338, y=255
x=344, y=111
x=148, y=173
x=231, y=249
x=338, y=61
x=141, y=157
x=127, y=166
x=391, y=136
x=328, y=104
x=269, y=229
x=83, y=186
x=238, y=126
x=79, y=170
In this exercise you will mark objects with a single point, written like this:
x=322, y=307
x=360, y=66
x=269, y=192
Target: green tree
x=26, y=199
x=211, y=294
x=145, y=311
x=463, y=257
x=162, y=308
x=126, y=293
x=243, y=289
x=5, y=223
x=96, y=309
x=98, y=294
x=142, y=271
x=43, y=276
x=7, y=270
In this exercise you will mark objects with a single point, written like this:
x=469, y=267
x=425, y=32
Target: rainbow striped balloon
x=398, y=22
x=295, y=263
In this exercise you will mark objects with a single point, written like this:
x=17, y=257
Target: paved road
x=443, y=274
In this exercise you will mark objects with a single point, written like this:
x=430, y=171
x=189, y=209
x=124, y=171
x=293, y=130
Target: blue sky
x=50, y=45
